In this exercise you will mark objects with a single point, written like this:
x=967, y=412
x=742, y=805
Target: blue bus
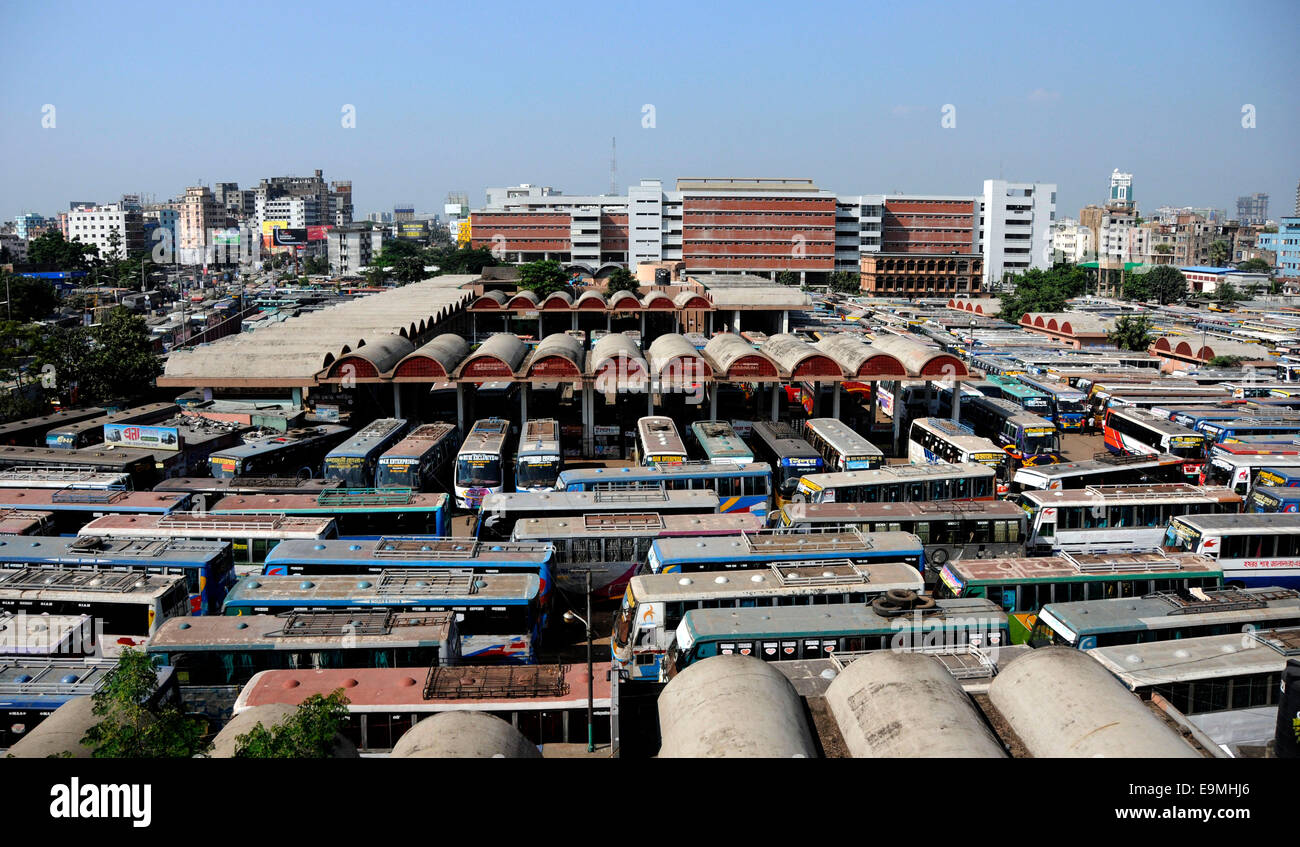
x=357, y=512
x=761, y=549
x=740, y=488
x=1027, y=438
x=350, y=556
x=720, y=443
x=1278, y=477
x=415, y=461
x=1010, y=388
x=499, y=616
x=208, y=566
x=297, y=452
x=355, y=461
x=789, y=455
x=1217, y=430
x=1069, y=406
x=72, y=508
x=1266, y=499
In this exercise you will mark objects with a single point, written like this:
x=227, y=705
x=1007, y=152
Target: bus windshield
x=536, y=472
x=478, y=470
x=1185, y=448
x=350, y=469
x=1039, y=441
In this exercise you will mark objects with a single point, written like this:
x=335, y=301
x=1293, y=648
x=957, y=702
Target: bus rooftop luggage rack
x=1285, y=641
x=648, y=520
x=1108, y=458
x=205, y=520
x=61, y=473
x=36, y=578
x=768, y=541
x=337, y=623
x=428, y=582
x=818, y=572
x=268, y=482
x=632, y=494
x=73, y=494
x=364, y=497
x=504, y=682
x=1153, y=561
x=1219, y=600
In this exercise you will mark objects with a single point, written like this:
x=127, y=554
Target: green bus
x=1023, y=586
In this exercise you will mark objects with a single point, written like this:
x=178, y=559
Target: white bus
x=480, y=463
x=1238, y=470
x=900, y=484
x=842, y=448
x=1110, y=518
x=1260, y=550
x=658, y=442
x=1135, y=431
x=654, y=604
x=933, y=440
x=538, y=460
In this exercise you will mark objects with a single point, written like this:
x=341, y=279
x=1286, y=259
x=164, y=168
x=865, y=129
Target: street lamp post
x=591, y=678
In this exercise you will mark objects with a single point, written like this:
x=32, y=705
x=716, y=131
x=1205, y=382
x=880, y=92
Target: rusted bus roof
x=920, y=361
x=735, y=358
x=437, y=359
x=799, y=359
x=368, y=362
x=558, y=355
x=858, y=358
x=498, y=357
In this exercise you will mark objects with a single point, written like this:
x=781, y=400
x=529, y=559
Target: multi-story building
x=350, y=248
x=115, y=229
x=1072, y=242
x=921, y=274
x=1285, y=245
x=200, y=216
x=16, y=247
x=1252, y=209
x=27, y=221
x=1016, y=227
x=322, y=205
x=340, y=203
x=1121, y=191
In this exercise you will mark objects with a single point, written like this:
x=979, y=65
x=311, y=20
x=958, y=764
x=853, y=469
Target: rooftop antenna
x=613, y=184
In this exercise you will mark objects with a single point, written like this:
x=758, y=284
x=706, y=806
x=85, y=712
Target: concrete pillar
x=817, y=399
x=713, y=402
x=397, y=399
x=643, y=327
x=956, y=401
x=735, y=322
x=608, y=322
x=297, y=398
x=540, y=332
x=473, y=326
x=207, y=393
x=835, y=404
x=523, y=405
x=776, y=402
x=785, y=320
x=460, y=408
x=589, y=421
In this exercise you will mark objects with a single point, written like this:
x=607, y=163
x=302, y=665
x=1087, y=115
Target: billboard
x=271, y=226
x=226, y=237
x=146, y=437
x=289, y=237
x=317, y=233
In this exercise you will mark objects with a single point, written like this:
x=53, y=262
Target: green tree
x=307, y=734
x=113, y=360
x=1038, y=290
x=1164, y=249
x=51, y=248
x=316, y=265
x=1228, y=293
x=1255, y=266
x=1227, y=361
x=1131, y=332
x=1219, y=252
x=787, y=278
x=29, y=299
x=542, y=278
x=128, y=729
x=846, y=282
x=1163, y=284
x=463, y=260
x=622, y=280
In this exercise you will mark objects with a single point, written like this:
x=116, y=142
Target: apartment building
x=350, y=248
x=117, y=229
x=1016, y=227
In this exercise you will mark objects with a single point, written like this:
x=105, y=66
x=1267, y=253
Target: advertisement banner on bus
x=147, y=437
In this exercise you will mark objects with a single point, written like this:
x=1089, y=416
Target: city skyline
x=488, y=98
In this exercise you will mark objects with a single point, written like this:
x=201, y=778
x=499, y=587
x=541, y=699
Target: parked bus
x=89, y=432
x=900, y=484
x=720, y=443
x=126, y=607
x=789, y=455
x=654, y=604
x=501, y=512
x=53, y=477
x=1251, y=549
x=1270, y=499
x=250, y=537
x=740, y=488
x=658, y=442
x=1278, y=477
x=1217, y=430
x=297, y=452
x=817, y=632
x=1136, y=432
x=498, y=616
x=207, y=566
x=214, y=657
x=546, y=703
x=416, y=461
x=1165, y=616
x=539, y=459
x=612, y=547
x=1239, y=469
x=207, y=490
x=1102, y=469
x=355, y=461
x=1070, y=410
x=21, y=522
x=1110, y=518
x=1028, y=439
x=935, y=440
x=1228, y=686
x=139, y=466
x=481, y=462
x=73, y=508
x=30, y=432
x=752, y=551
x=841, y=448
x=1022, y=586
x=357, y=512
x=952, y=529
x=1010, y=388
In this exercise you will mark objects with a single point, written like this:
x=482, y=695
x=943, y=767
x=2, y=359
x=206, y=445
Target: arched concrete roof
x=692, y=300
x=580, y=266
x=59, y=734
x=490, y=301
x=735, y=358
x=497, y=358
x=920, y=361
x=799, y=359
x=858, y=358
x=557, y=356
x=658, y=301
x=525, y=300
x=464, y=735
x=367, y=362
x=591, y=299
x=624, y=301
x=617, y=364
x=270, y=716
x=557, y=301
x=674, y=357
x=434, y=360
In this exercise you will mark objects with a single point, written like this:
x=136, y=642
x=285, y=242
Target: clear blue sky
x=154, y=97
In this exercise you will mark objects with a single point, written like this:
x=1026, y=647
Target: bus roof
x=659, y=435
x=636, y=524
x=39, y=634
x=91, y=499
x=420, y=549
x=628, y=474
x=395, y=586
x=900, y=473
x=84, y=550
x=55, y=477
x=1078, y=565
x=208, y=525
x=841, y=436
x=1164, y=426
x=795, y=621
x=719, y=438
x=45, y=683
x=1114, y=495
x=1159, y=663
x=1169, y=610
x=832, y=576
x=852, y=512
x=1247, y=523
x=645, y=499
x=247, y=485
x=16, y=522
x=486, y=436
x=368, y=438
x=336, y=502
x=541, y=437
x=783, y=439
x=55, y=583
x=1101, y=464
x=280, y=440
x=419, y=441
x=302, y=631
x=785, y=545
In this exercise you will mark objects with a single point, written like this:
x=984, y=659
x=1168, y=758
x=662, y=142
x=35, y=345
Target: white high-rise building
x=97, y=224
x=1016, y=227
